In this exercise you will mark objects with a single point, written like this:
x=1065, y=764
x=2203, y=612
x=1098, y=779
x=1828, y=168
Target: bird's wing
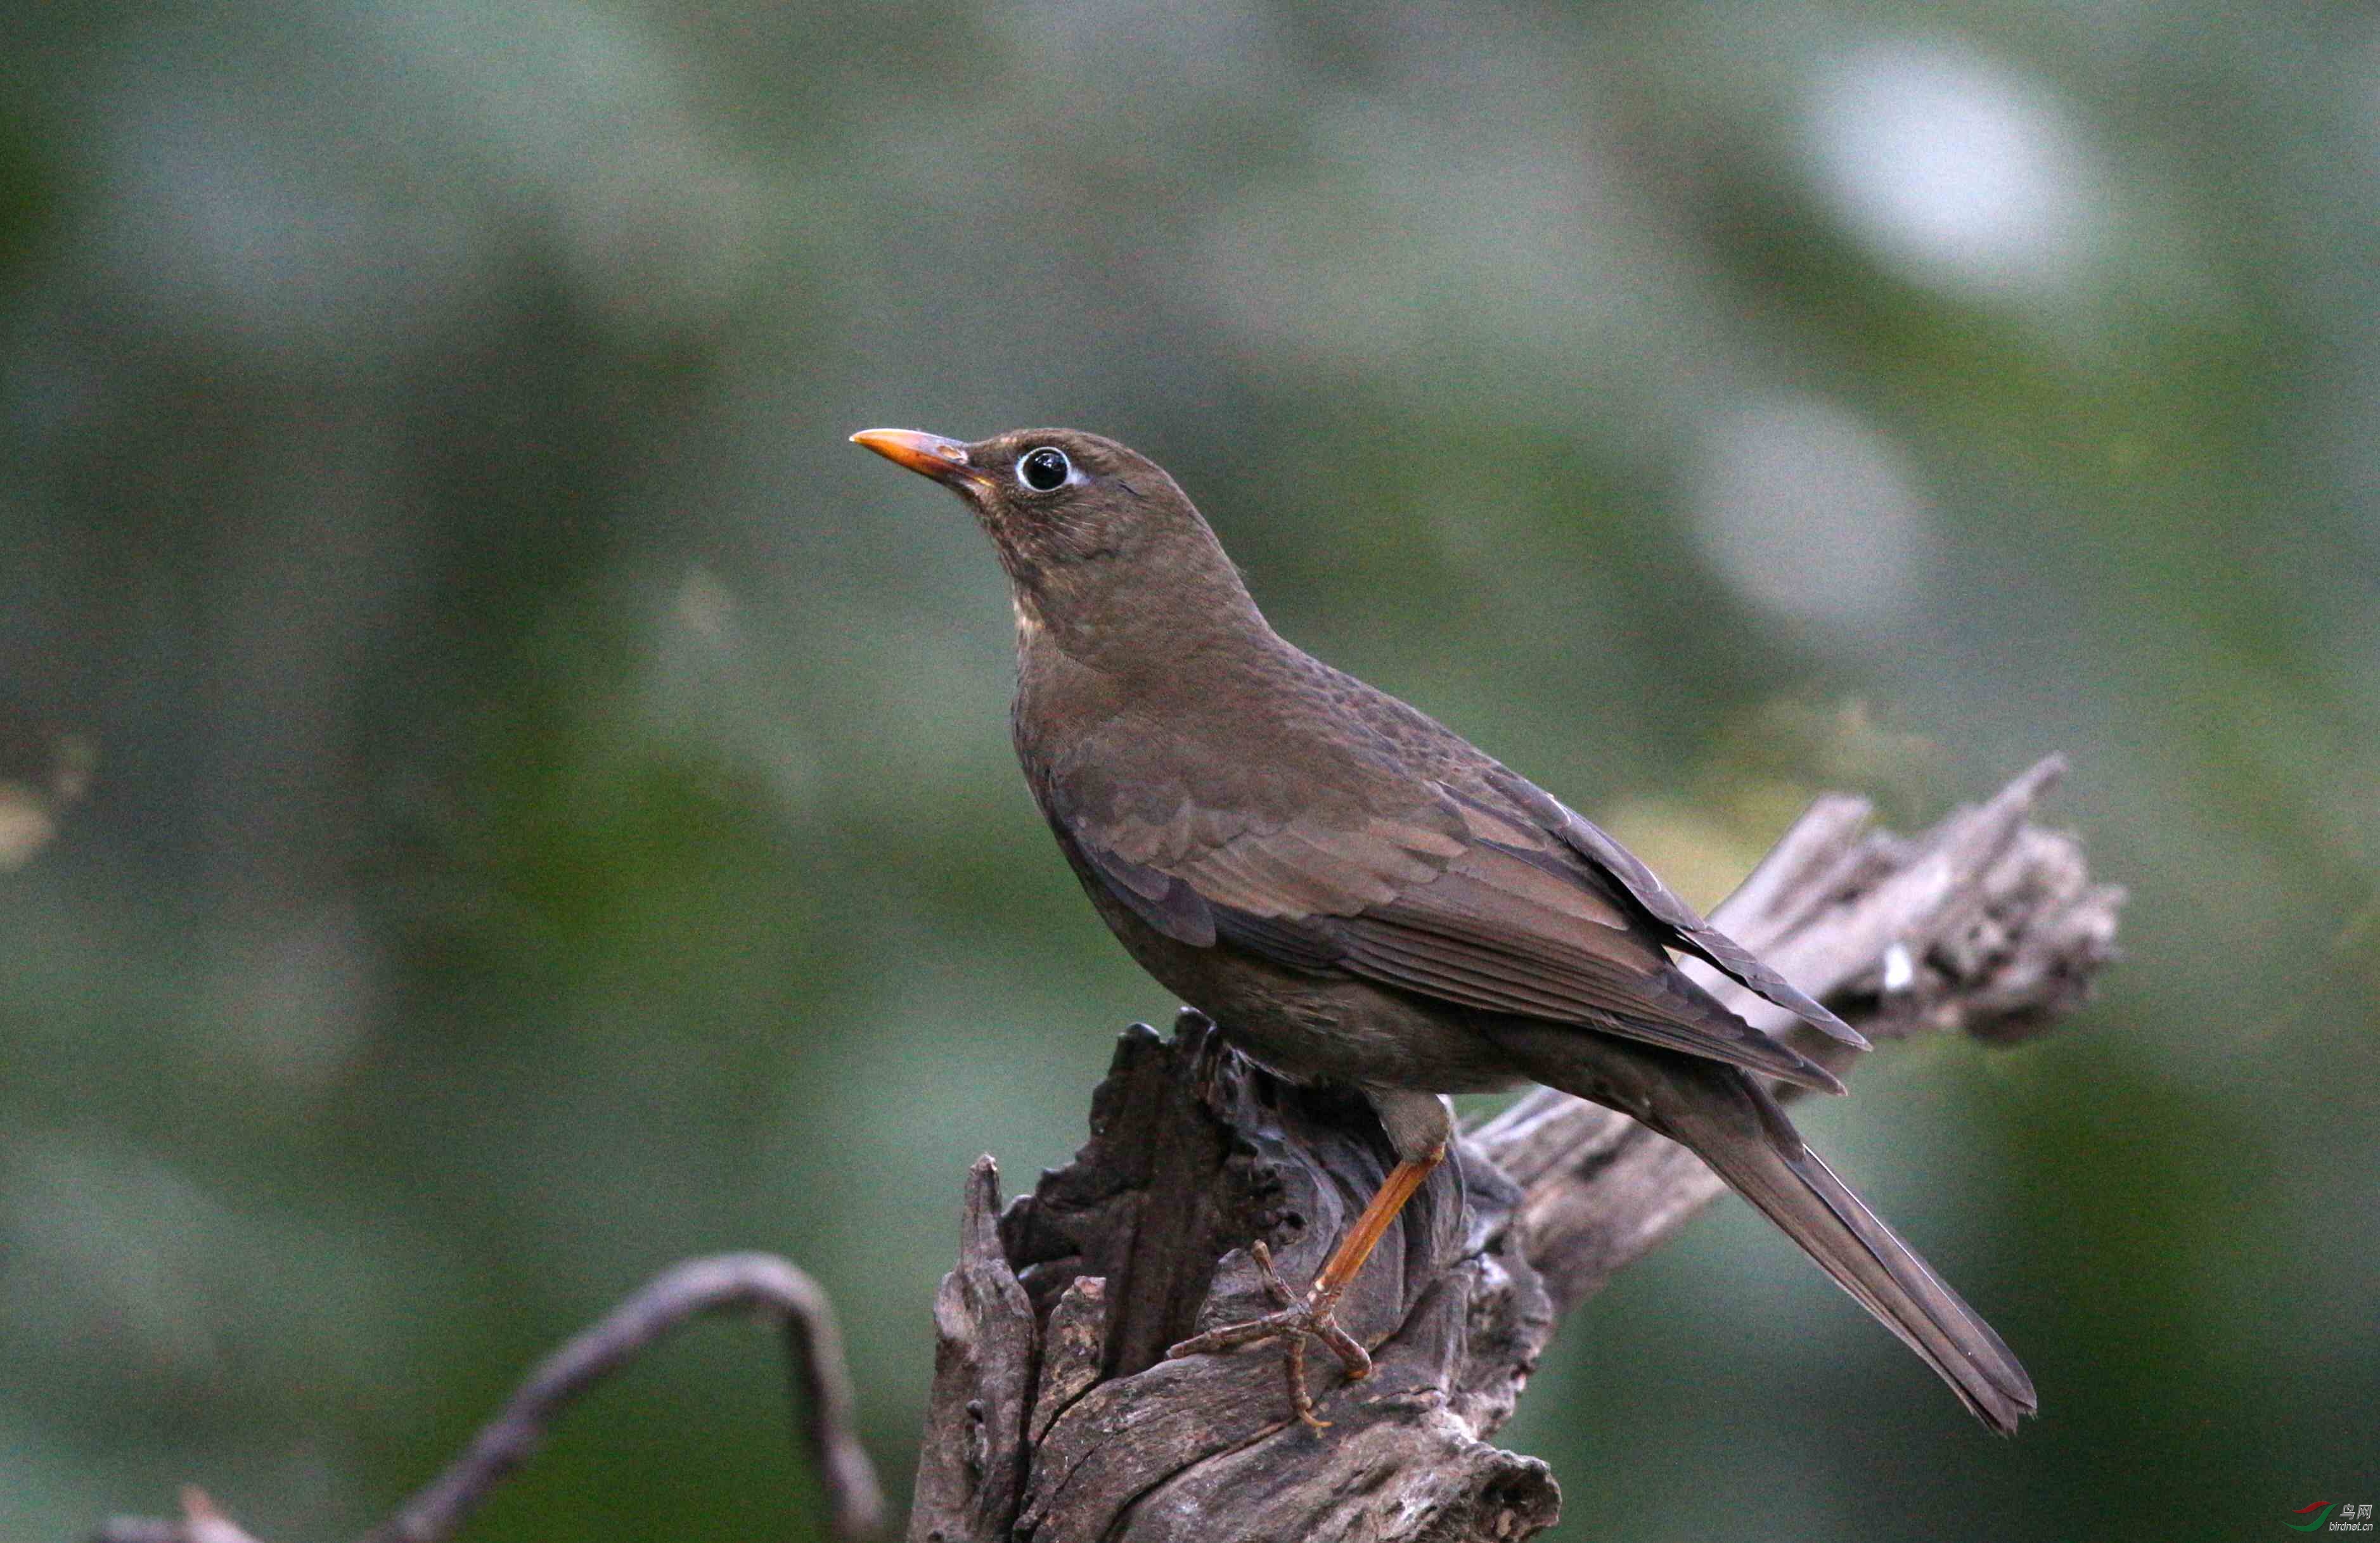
x=1447, y=898
x=1683, y=927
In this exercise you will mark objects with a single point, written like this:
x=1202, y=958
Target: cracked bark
x=1054, y=1417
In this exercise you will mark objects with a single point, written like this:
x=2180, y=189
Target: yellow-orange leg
x=1296, y=1319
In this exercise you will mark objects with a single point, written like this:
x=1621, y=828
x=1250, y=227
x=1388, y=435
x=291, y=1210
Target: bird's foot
x=1294, y=1321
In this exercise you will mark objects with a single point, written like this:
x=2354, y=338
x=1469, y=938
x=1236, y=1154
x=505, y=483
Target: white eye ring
x=1045, y=468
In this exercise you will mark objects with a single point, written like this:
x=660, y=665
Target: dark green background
x=553, y=811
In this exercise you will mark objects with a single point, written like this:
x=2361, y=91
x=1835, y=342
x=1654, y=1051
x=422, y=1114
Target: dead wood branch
x=1054, y=1415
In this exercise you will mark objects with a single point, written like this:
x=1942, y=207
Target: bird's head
x=1089, y=531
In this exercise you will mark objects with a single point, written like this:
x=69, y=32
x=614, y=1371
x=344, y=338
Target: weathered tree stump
x=1054, y=1415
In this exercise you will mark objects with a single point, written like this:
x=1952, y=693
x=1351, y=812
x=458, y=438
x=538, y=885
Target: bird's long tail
x=1732, y=1125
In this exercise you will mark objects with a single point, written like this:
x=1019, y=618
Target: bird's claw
x=1294, y=1320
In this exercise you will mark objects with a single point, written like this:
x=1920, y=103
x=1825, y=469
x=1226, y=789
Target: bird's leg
x=1296, y=1319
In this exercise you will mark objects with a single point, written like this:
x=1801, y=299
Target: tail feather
x=1868, y=1259
x=1729, y=1121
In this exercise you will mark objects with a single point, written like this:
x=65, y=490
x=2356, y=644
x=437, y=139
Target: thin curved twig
x=759, y=1281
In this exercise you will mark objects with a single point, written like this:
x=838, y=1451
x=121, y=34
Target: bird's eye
x=1045, y=468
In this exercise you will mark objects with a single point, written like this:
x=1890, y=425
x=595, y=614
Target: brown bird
x=1355, y=894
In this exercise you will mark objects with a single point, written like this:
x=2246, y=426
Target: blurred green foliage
x=553, y=812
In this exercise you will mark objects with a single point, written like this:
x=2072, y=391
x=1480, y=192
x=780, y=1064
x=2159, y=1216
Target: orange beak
x=944, y=460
